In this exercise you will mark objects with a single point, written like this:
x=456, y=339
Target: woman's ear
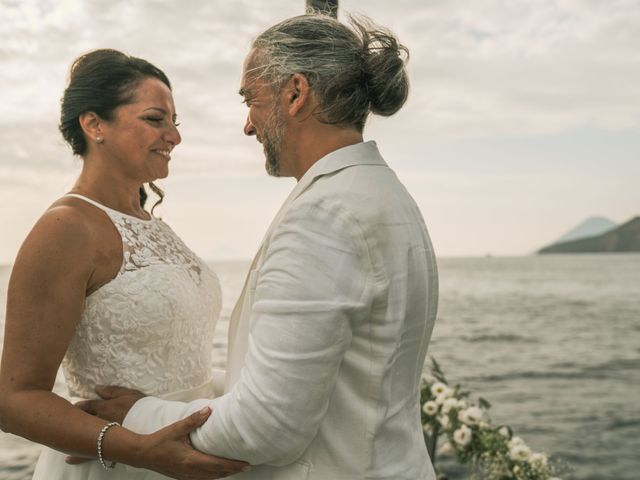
x=91, y=125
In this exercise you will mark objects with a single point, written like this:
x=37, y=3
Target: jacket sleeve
x=150, y=413
x=312, y=288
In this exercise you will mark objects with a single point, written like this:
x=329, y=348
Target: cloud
x=491, y=71
x=483, y=68
x=520, y=67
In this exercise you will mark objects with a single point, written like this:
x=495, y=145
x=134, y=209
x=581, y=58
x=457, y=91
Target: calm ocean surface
x=553, y=342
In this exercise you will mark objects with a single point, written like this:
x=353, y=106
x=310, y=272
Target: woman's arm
x=52, y=272
x=51, y=275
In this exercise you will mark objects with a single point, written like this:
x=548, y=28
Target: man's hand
x=169, y=451
x=115, y=404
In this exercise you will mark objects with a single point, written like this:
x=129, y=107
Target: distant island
x=590, y=227
x=625, y=238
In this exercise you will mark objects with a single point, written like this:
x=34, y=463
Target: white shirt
x=328, y=340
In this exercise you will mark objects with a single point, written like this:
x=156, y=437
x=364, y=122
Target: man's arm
x=149, y=414
x=313, y=286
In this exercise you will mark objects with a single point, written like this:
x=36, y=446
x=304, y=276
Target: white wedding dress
x=150, y=328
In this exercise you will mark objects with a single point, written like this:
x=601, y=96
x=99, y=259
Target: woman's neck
x=109, y=189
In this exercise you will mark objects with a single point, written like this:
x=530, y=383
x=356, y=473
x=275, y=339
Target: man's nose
x=249, y=129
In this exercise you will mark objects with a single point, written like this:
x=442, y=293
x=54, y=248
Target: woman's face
x=140, y=137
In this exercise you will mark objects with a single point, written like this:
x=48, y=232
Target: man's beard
x=272, y=136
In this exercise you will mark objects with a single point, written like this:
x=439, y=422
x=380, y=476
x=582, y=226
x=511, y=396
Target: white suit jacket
x=328, y=339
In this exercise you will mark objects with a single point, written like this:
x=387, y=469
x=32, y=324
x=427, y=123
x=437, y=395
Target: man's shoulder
x=352, y=202
x=358, y=189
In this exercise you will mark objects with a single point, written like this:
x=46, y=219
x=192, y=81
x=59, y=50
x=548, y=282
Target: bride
x=109, y=291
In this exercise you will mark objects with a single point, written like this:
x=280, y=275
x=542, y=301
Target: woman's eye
x=160, y=120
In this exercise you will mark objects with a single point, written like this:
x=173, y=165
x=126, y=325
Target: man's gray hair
x=352, y=70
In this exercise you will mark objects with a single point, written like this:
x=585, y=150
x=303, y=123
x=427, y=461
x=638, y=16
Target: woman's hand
x=169, y=451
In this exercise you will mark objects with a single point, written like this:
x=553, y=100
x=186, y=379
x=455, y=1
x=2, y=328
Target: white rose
x=430, y=408
x=471, y=416
x=441, y=398
x=446, y=449
x=438, y=388
x=444, y=421
x=515, y=441
x=462, y=436
x=462, y=404
x=427, y=428
x=520, y=452
x=448, y=404
x=538, y=460
x=504, y=431
x=484, y=425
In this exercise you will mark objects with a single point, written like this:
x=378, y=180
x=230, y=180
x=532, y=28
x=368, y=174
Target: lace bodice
x=152, y=326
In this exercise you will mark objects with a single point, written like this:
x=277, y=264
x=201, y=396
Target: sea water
x=553, y=342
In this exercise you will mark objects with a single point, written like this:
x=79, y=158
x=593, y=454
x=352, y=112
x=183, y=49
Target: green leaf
x=437, y=371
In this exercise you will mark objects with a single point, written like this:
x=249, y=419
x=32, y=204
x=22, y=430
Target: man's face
x=265, y=119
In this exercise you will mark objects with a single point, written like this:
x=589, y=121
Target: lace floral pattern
x=152, y=326
x=151, y=243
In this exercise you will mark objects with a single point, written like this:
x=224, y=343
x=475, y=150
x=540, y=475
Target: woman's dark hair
x=101, y=81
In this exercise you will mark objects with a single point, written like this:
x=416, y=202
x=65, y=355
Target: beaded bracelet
x=100, y=439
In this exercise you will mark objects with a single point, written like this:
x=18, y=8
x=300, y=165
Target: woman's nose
x=174, y=136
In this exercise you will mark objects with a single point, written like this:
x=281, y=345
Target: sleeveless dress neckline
x=108, y=209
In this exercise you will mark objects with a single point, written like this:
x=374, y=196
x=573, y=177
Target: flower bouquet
x=493, y=452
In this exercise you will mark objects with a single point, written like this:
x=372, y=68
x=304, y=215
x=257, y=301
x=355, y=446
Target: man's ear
x=91, y=125
x=299, y=94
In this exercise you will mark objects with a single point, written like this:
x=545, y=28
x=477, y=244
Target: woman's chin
x=158, y=175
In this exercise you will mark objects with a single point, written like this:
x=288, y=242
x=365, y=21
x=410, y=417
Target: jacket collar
x=364, y=153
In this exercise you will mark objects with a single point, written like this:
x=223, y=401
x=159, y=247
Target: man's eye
x=155, y=119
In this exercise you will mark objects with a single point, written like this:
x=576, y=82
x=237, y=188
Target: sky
x=523, y=117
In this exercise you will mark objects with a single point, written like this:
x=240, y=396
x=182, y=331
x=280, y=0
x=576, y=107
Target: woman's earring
x=99, y=139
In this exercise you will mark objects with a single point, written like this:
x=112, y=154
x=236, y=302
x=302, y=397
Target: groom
x=328, y=339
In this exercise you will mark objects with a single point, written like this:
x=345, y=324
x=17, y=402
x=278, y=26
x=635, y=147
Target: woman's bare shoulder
x=69, y=229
